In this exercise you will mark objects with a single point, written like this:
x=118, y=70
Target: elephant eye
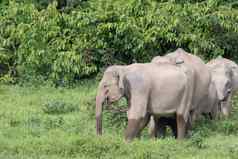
x=105, y=85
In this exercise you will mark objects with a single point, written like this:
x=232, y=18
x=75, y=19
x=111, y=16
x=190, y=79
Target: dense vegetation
x=50, y=123
x=60, y=42
x=67, y=40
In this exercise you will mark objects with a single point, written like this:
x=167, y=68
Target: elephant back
x=199, y=74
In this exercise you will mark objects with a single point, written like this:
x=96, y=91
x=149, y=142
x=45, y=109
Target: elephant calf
x=150, y=89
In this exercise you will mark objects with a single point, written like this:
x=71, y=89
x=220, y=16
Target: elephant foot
x=143, y=123
x=132, y=129
x=153, y=127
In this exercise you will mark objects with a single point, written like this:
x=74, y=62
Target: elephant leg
x=137, y=116
x=137, y=120
x=181, y=126
x=153, y=127
x=132, y=129
x=188, y=125
x=207, y=115
x=193, y=116
x=210, y=116
x=143, y=123
x=157, y=127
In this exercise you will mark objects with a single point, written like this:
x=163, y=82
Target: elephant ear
x=118, y=73
x=229, y=71
x=121, y=78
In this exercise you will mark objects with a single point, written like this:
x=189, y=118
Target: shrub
x=53, y=122
x=197, y=139
x=58, y=107
x=115, y=119
x=233, y=151
x=228, y=127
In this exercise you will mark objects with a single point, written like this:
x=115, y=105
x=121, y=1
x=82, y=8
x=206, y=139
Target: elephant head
x=221, y=76
x=234, y=68
x=110, y=89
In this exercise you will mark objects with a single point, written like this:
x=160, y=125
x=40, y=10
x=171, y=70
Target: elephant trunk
x=99, y=104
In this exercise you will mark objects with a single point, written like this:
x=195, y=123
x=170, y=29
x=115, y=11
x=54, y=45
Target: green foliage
x=65, y=46
x=113, y=117
x=58, y=107
x=54, y=122
x=197, y=140
x=228, y=127
x=36, y=44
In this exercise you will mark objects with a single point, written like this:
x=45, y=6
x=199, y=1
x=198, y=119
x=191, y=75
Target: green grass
x=59, y=123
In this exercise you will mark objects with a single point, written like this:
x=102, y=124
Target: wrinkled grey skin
x=150, y=90
x=157, y=126
x=210, y=105
x=198, y=74
x=209, y=108
x=225, y=77
x=200, y=77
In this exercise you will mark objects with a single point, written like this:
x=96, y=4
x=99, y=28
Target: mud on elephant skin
x=146, y=88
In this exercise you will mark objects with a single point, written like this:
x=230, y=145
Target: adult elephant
x=199, y=78
x=225, y=77
x=150, y=89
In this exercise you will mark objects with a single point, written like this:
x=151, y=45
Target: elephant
x=157, y=126
x=166, y=60
x=210, y=108
x=150, y=89
x=199, y=79
x=225, y=77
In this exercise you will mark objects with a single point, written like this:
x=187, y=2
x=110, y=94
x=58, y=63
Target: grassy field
x=57, y=123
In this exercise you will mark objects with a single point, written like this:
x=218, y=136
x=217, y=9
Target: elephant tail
x=186, y=102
